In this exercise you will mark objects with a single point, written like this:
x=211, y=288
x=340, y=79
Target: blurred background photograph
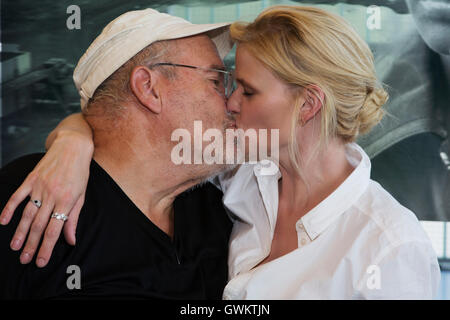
x=41, y=42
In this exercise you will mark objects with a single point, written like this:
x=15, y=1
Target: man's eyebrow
x=217, y=67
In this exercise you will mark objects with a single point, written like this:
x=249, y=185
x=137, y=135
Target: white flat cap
x=128, y=34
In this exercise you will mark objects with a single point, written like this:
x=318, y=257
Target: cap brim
x=218, y=32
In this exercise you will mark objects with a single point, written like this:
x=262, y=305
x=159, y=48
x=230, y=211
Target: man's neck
x=151, y=182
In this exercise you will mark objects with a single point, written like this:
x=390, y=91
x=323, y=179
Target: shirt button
x=303, y=241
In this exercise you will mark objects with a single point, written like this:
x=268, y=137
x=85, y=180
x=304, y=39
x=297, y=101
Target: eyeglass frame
x=228, y=78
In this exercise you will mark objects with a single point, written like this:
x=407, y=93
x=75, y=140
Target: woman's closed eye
x=247, y=92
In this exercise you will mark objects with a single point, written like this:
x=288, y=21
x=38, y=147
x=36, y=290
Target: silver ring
x=37, y=203
x=60, y=216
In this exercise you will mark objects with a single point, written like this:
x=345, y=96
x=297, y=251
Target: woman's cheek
x=256, y=115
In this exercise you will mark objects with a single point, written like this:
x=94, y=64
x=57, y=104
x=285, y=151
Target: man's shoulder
x=206, y=192
x=12, y=176
x=205, y=200
x=15, y=172
x=205, y=188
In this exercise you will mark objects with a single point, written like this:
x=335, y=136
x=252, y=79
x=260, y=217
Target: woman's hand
x=59, y=181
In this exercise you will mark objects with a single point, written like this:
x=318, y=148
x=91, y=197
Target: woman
x=320, y=228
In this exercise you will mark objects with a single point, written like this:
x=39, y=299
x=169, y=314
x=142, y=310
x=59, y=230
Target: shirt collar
x=267, y=168
x=322, y=216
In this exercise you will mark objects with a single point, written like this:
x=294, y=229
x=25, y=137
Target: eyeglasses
x=224, y=82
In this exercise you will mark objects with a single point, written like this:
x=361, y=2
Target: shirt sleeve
x=408, y=271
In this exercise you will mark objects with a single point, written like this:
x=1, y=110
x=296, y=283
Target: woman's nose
x=233, y=103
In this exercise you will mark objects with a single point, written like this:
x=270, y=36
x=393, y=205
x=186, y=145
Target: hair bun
x=372, y=112
x=378, y=97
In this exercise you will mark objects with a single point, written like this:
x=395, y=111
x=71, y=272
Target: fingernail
x=25, y=258
x=3, y=221
x=40, y=262
x=15, y=244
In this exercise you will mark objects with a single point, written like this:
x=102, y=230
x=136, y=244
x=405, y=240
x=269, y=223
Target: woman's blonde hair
x=309, y=46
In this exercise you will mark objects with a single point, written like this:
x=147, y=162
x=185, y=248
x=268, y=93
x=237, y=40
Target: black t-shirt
x=119, y=251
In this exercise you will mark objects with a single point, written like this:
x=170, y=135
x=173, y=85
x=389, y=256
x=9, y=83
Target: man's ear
x=144, y=86
x=314, y=99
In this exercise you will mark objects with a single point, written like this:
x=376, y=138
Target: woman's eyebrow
x=244, y=83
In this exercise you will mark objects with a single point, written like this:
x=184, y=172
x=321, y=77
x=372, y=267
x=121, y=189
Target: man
x=142, y=234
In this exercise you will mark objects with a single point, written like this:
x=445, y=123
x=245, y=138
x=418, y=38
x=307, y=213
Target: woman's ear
x=314, y=98
x=144, y=86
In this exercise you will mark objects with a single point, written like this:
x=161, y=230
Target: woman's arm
x=72, y=126
x=59, y=181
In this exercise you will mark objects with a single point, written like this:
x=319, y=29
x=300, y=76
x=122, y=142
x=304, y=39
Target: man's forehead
x=199, y=50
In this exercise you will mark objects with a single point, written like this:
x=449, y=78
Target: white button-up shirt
x=358, y=243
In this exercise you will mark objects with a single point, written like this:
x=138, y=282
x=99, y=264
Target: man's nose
x=233, y=103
